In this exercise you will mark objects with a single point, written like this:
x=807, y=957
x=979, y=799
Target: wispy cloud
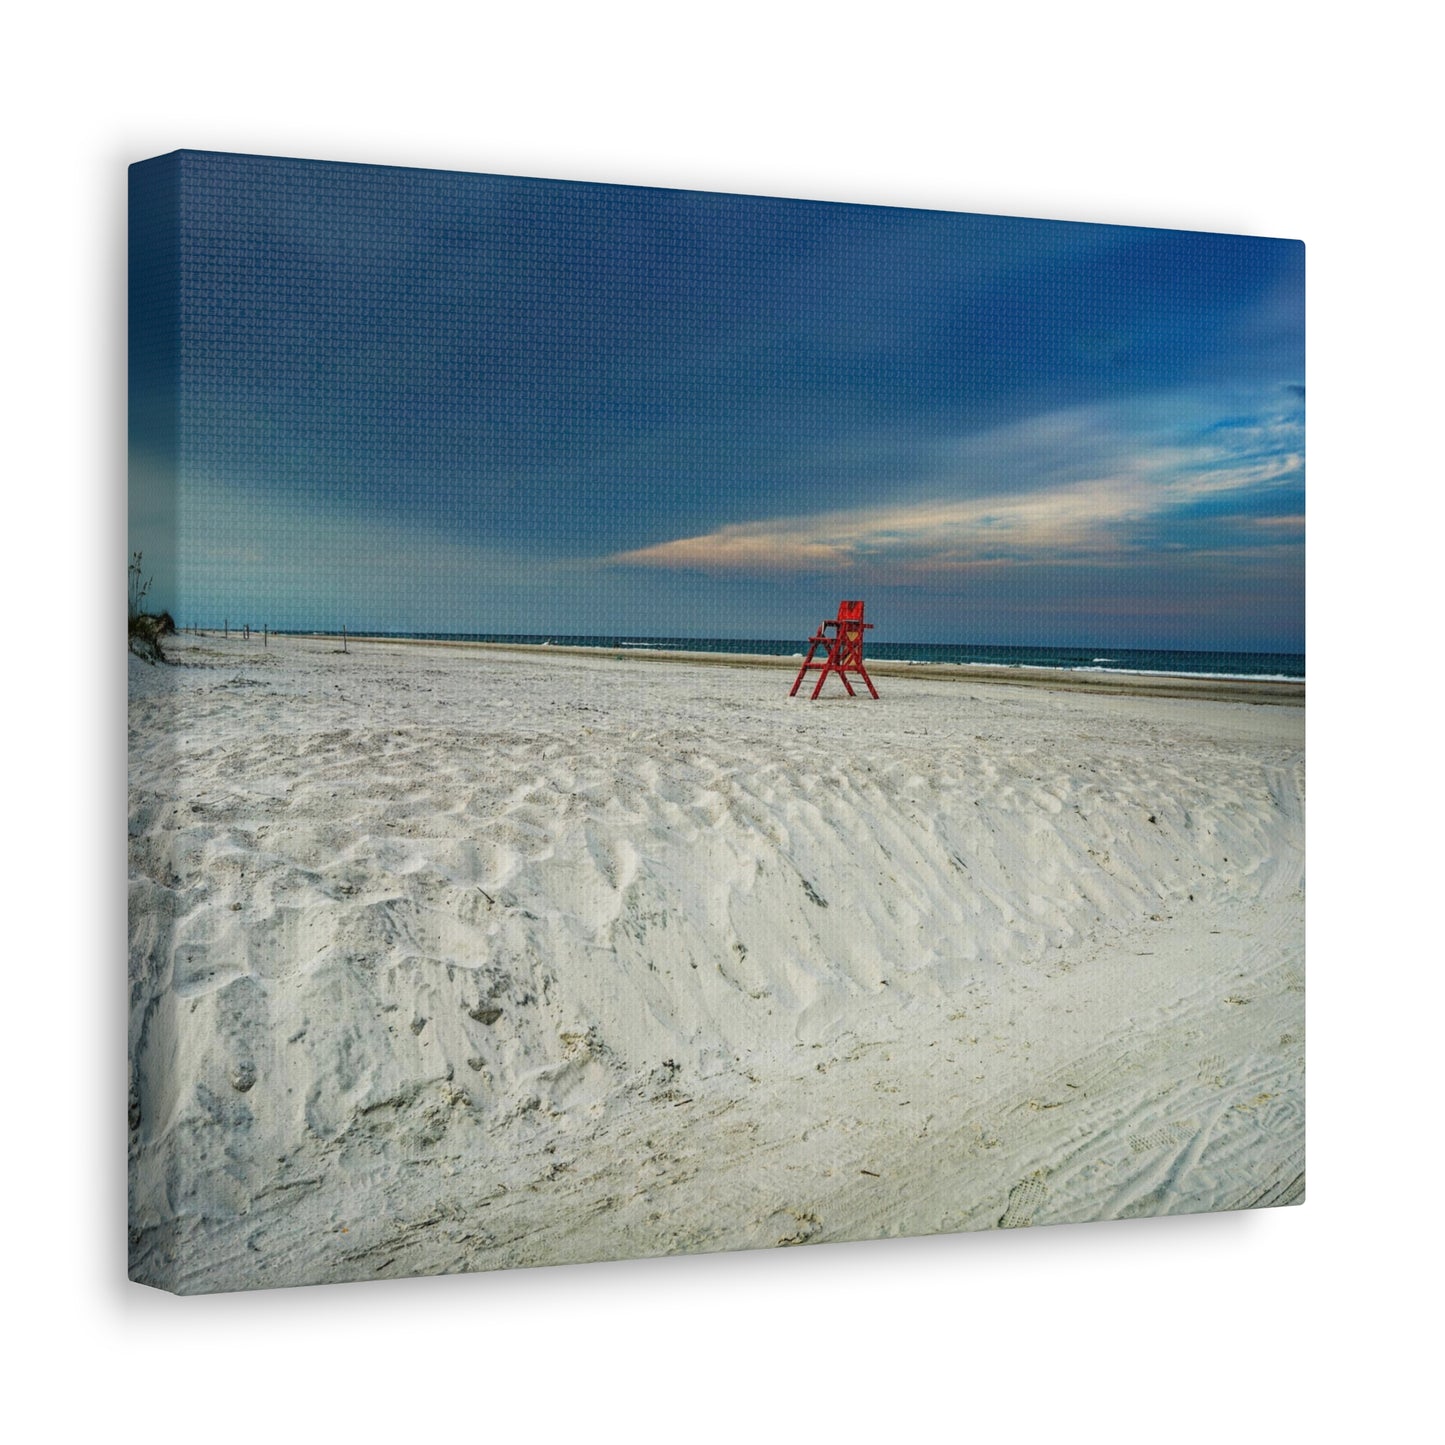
x=1156, y=489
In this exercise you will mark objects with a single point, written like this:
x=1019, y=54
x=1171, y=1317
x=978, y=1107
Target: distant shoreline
x=1260, y=691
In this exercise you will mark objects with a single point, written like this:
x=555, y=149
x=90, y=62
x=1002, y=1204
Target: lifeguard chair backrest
x=850, y=612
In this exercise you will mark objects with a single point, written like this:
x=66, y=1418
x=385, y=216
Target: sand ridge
x=454, y=959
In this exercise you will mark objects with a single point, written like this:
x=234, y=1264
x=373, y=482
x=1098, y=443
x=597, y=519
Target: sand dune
x=448, y=958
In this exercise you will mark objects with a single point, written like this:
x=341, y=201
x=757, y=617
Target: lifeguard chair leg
x=842, y=677
x=832, y=662
x=850, y=658
x=807, y=663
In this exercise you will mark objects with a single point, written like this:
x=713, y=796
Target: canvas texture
x=664, y=722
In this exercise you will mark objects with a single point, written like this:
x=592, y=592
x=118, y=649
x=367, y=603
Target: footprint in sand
x=1163, y=1138
x=1024, y=1200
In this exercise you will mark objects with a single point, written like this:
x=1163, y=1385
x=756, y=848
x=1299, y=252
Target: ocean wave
x=1213, y=676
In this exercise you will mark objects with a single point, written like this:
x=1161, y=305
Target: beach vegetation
x=144, y=629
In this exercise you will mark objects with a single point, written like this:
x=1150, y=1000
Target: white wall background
x=1258, y=117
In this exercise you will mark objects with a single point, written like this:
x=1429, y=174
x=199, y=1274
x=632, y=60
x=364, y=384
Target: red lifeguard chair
x=843, y=637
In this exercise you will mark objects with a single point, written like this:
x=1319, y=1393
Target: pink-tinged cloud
x=1110, y=514
x=749, y=548
x=1092, y=520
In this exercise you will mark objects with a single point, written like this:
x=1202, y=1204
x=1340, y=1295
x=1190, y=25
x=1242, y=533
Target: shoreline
x=1268, y=692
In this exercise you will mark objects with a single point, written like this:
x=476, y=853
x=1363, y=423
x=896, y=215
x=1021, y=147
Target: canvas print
x=665, y=722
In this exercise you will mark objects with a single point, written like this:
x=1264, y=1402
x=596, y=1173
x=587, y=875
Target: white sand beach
x=457, y=958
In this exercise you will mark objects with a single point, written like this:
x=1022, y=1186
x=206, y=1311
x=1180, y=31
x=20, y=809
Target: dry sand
x=463, y=958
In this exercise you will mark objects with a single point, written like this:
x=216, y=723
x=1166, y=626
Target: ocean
x=1278, y=666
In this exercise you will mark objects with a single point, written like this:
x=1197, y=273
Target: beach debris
x=243, y=1076
x=581, y=1044
x=484, y=1012
x=808, y=1224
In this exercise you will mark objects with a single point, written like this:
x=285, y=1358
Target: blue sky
x=427, y=401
